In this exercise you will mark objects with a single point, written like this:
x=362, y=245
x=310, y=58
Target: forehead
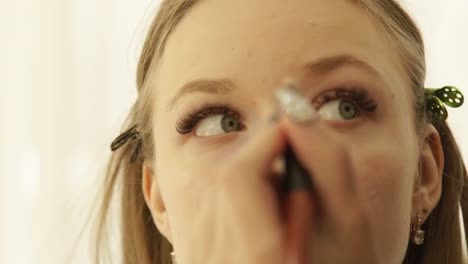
x=256, y=41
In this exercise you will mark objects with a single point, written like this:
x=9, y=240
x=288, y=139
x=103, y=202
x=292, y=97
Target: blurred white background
x=67, y=75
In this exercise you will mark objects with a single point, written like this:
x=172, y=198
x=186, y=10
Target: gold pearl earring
x=173, y=258
x=418, y=234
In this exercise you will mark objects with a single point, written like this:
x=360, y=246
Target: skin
x=388, y=172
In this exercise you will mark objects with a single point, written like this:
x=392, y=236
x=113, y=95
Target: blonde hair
x=142, y=242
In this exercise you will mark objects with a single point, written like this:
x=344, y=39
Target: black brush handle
x=299, y=209
x=297, y=178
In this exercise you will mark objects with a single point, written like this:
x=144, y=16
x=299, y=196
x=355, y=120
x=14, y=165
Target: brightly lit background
x=68, y=82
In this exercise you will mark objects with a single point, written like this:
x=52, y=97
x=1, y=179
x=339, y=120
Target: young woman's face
x=246, y=49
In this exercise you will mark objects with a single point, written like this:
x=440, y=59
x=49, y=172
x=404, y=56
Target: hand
x=340, y=231
x=237, y=218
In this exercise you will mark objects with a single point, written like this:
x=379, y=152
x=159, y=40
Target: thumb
x=249, y=193
x=260, y=153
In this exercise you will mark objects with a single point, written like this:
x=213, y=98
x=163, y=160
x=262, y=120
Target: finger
x=249, y=193
x=300, y=217
x=326, y=159
x=261, y=152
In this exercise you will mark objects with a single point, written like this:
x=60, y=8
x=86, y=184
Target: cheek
x=181, y=186
x=183, y=171
x=384, y=177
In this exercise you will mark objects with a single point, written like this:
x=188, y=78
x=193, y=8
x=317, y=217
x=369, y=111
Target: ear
x=154, y=201
x=428, y=184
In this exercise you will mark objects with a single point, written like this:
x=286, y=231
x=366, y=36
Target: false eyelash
x=187, y=123
x=358, y=96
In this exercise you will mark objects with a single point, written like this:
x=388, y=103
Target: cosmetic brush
x=299, y=209
x=299, y=204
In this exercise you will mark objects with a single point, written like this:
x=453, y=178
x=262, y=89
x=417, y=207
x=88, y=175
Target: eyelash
x=359, y=97
x=187, y=123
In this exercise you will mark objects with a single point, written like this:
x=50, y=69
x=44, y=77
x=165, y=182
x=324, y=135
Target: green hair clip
x=436, y=98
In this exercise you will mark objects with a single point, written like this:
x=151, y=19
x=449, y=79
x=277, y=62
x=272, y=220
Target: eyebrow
x=210, y=86
x=329, y=64
x=225, y=86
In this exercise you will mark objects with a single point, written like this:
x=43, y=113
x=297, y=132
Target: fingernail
x=296, y=105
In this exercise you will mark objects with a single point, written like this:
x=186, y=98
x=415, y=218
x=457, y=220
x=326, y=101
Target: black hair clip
x=131, y=134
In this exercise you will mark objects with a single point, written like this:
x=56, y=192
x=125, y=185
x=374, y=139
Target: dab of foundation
x=295, y=104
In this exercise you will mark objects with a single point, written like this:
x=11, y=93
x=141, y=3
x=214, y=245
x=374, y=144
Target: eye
x=345, y=104
x=216, y=125
x=339, y=110
x=211, y=120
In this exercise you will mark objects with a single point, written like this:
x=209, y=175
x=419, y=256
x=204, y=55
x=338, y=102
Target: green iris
x=348, y=110
x=229, y=124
